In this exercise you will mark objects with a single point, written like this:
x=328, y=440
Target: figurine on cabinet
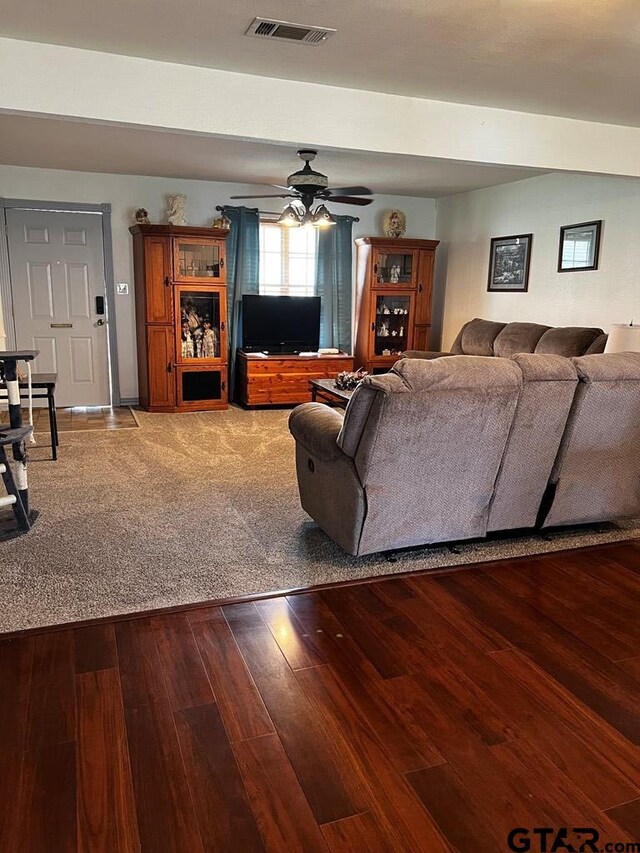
x=395, y=224
x=223, y=222
x=175, y=212
x=210, y=344
x=394, y=274
x=191, y=316
x=197, y=341
x=187, y=341
x=141, y=217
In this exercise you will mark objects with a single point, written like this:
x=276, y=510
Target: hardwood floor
x=80, y=418
x=415, y=713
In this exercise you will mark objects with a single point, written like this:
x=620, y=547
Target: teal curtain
x=243, y=275
x=334, y=283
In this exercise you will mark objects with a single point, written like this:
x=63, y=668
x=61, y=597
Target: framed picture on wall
x=579, y=246
x=509, y=261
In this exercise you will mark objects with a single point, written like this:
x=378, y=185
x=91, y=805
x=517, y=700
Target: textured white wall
x=466, y=222
x=125, y=193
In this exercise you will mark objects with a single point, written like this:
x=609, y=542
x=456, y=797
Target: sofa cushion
x=355, y=418
x=456, y=346
x=598, y=345
x=597, y=472
x=518, y=337
x=549, y=384
x=418, y=457
x=570, y=341
x=478, y=336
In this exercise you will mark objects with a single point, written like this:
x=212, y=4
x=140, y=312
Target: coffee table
x=325, y=391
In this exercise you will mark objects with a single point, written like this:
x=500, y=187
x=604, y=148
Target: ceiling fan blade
x=349, y=199
x=280, y=187
x=349, y=191
x=263, y=196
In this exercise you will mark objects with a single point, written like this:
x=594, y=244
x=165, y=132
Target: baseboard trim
x=129, y=401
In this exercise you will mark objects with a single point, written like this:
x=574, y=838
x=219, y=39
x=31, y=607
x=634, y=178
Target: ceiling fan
x=305, y=187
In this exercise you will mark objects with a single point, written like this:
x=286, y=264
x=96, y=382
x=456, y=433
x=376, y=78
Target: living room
x=402, y=616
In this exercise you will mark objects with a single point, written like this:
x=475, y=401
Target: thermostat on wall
x=122, y=288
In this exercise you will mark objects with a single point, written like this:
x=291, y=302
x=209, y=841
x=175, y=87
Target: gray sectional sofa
x=488, y=338
x=455, y=448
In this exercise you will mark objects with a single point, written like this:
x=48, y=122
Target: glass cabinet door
x=197, y=260
x=395, y=268
x=201, y=329
x=391, y=324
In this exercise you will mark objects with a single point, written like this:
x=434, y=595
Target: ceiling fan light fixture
x=290, y=217
x=322, y=218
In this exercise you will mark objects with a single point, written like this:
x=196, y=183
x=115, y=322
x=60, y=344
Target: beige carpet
x=189, y=508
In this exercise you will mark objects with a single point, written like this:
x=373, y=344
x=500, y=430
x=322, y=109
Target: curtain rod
x=221, y=207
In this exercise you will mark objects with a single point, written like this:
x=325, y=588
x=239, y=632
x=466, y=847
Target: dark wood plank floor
x=416, y=713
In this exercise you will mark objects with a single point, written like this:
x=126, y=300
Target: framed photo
x=509, y=263
x=579, y=246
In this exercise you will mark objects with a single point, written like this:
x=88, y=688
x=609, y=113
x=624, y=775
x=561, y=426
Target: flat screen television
x=280, y=324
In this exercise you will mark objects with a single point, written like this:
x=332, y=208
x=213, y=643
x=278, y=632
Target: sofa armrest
x=316, y=427
x=416, y=353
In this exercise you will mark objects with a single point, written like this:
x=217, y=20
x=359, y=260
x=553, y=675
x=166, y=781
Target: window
x=287, y=260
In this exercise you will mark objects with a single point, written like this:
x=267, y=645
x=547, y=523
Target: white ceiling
x=578, y=58
x=58, y=144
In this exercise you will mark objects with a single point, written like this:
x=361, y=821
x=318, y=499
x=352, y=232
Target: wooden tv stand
x=283, y=380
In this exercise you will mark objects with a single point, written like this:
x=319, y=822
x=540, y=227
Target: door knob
x=99, y=322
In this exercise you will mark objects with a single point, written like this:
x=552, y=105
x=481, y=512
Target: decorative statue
x=395, y=223
x=141, y=216
x=175, y=213
x=222, y=222
x=209, y=340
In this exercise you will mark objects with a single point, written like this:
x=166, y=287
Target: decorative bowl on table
x=349, y=380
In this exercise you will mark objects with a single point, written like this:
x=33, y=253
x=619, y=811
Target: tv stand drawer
x=277, y=380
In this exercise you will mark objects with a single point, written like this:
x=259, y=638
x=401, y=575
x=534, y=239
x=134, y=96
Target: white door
x=57, y=271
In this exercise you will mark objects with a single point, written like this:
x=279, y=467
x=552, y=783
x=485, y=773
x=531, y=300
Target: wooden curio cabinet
x=181, y=317
x=393, y=299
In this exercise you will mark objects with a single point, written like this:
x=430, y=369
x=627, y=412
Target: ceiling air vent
x=265, y=28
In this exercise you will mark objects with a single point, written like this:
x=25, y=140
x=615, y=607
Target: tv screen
x=284, y=324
